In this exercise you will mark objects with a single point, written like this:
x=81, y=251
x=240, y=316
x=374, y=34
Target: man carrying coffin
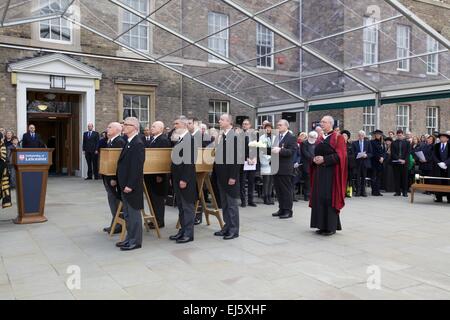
x=184, y=180
x=227, y=170
x=328, y=179
x=130, y=175
x=110, y=182
x=157, y=184
x=441, y=157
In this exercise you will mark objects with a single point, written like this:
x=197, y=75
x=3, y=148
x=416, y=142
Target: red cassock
x=337, y=142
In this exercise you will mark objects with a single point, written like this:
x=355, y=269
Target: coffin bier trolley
x=158, y=161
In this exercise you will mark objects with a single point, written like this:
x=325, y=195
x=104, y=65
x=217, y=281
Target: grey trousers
x=113, y=202
x=186, y=213
x=230, y=211
x=133, y=219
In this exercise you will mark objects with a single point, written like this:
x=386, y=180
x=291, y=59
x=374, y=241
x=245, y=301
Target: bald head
x=114, y=129
x=157, y=128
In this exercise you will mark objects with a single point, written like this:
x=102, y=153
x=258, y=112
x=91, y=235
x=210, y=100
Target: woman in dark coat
x=388, y=171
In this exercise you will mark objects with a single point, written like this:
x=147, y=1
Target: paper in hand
x=421, y=156
x=360, y=155
x=249, y=167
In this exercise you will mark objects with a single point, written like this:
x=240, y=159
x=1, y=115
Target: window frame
x=430, y=42
x=428, y=117
x=406, y=41
x=137, y=90
x=369, y=113
x=215, y=113
x=259, y=119
x=122, y=29
x=214, y=14
x=399, y=116
x=375, y=29
x=66, y=42
x=259, y=36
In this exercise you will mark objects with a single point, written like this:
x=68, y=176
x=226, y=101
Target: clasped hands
x=318, y=160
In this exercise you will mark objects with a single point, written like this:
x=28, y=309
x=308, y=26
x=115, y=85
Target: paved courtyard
x=272, y=258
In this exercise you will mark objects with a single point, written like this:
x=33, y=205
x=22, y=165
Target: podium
x=31, y=166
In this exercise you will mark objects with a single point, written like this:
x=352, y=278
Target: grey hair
x=229, y=116
x=330, y=118
x=285, y=122
x=362, y=132
x=183, y=120
x=159, y=124
x=134, y=121
x=313, y=134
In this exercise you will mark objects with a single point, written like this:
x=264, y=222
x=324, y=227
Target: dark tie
x=280, y=139
x=89, y=134
x=32, y=136
x=442, y=147
x=152, y=139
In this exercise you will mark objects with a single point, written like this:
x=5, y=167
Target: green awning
x=430, y=96
x=342, y=105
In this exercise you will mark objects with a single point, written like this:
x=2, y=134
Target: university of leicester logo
x=21, y=157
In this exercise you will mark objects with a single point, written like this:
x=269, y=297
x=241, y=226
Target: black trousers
x=306, y=184
x=377, y=176
x=283, y=188
x=267, y=187
x=250, y=177
x=400, y=178
x=361, y=174
x=92, y=163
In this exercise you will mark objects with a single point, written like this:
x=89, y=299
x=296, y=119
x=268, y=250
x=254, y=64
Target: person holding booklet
x=400, y=151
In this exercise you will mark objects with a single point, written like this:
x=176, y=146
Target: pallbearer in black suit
x=362, y=149
x=248, y=190
x=31, y=139
x=197, y=142
x=110, y=182
x=184, y=180
x=285, y=147
x=90, y=150
x=441, y=158
x=379, y=153
x=227, y=168
x=157, y=184
x=130, y=175
x=400, y=151
x=329, y=179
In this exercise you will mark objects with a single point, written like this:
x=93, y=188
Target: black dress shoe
x=252, y=204
x=405, y=194
x=87, y=178
x=271, y=203
x=285, y=216
x=243, y=205
x=364, y=195
x=320, y=231
x=230, y=236
x=117, y=230
x=197, y=221
x=396, y=194
x=176, y=236
x=328, y=233
x=107, y=229
x=220, y=233
x=129, y=248
x=185, y=239
x=437, y=200
x=122, y=244
x=276, y=214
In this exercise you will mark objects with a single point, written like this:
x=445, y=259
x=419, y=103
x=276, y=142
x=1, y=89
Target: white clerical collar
x=227, y=130
x=131, y=138
x=182, y=135
x=112, y=139
x=154, y=137
x=326, y=135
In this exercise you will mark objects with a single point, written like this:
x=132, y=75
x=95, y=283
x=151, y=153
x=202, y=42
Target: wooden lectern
x=31, y=166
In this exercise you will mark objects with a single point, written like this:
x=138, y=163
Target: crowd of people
x=323, y=167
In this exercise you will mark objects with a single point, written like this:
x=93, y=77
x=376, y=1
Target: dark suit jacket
x=439, y=156
x=91, y=144
x=116, y=143
x=366, y=162
x=378, y=151
x=226, y=165
x=307, y=154
x=289, y=147
x=184, y=168
x=400, y=150
x=161, y=188
x=28, y=142
x=130, y=172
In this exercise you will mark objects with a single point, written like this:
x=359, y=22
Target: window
x=136, y=38
x=432, y=59
x=57, y=30
x=219, y=41
x=432, y=119
x=369, y=119
x=261, y=119
x=264, y=47
x=370, y=41
x=403, y=46
x=137, y=106
x=403, y=117
x=216, y=109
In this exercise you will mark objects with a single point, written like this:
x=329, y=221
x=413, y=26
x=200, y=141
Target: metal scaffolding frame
x=240, y=65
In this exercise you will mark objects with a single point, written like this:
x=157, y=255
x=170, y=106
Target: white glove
x=296, y=165
x=442, y=165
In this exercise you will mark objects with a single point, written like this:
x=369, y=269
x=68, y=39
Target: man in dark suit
x=90, y=150
x=362, y=149
x=193, y=127
x=441, y=158
x=110, y=182
x=247, y=191
x=130, y=175
x=31, y=139
x=184, y=181
x=400, y=151
x=157, y=184
x=227, y=169
x=283, y=152
x=379, y=153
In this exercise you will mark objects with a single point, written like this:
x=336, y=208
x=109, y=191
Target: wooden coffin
x=157, y=160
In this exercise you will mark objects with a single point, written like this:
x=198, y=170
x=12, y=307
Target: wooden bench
x=429, y=187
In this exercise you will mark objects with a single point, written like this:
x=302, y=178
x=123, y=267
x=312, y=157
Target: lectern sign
x=32, y=157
